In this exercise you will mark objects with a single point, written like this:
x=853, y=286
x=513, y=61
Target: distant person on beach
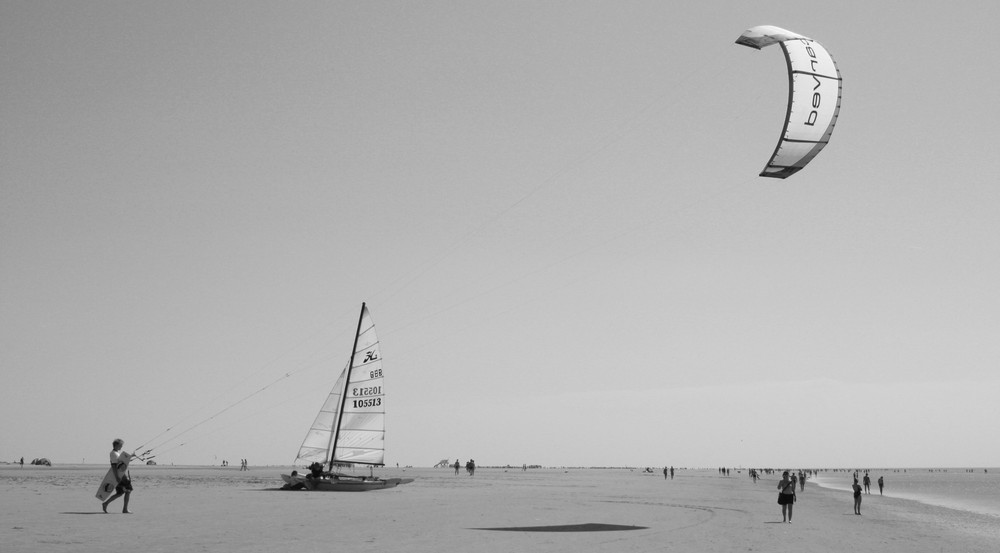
x=457, y=466
x=666, y=473
x=119, y=462
x=857, y=497
x=671, y=473
x=880, y=484
x=802, y=481
x=868, y=483
x=22, y=462
x=471, y=467
x=786, y=496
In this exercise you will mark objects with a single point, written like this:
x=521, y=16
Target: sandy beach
x=180, y=509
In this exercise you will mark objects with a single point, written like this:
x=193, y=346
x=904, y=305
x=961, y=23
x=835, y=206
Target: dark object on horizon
x=150, y=462
x=41, y=461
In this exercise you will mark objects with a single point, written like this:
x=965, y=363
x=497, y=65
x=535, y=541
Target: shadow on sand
x=588, y=527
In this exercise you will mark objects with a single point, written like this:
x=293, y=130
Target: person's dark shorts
x=786, y=498
x=124, y=486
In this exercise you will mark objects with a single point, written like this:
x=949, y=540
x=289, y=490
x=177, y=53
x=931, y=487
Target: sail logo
x=816, y=97
x=371, y=356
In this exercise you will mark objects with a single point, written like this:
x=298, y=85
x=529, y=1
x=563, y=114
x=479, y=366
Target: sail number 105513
x=370, y=402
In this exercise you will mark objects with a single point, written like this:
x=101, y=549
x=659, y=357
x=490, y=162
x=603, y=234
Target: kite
x=814, y=87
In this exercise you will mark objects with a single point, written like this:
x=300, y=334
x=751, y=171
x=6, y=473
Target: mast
x=343, y=393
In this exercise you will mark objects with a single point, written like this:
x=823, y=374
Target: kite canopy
x=814, y=88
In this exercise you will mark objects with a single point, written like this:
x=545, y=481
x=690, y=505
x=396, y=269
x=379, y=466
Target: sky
x=552, y=210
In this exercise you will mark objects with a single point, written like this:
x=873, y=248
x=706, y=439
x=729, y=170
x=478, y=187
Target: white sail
x=361, y=438
x=316, y=447
x=351, y=422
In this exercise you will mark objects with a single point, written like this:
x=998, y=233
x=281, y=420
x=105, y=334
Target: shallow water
x=954, y=488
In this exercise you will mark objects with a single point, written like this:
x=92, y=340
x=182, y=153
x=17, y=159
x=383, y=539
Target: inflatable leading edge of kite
x=814, y=86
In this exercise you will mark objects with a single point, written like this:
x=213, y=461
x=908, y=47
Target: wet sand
x=180, y=509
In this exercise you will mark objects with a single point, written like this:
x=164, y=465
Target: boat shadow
x=588, y=527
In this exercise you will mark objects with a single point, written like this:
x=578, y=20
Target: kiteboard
x=110, y=482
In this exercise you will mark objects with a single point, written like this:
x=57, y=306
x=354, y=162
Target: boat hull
x=353, y=484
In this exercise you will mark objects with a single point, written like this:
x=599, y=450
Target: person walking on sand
x=119, y=462
x=868, y=483
x=857, y=497
x=457, y=466
x=22, y=462
x=786, y=497
x=880, y=484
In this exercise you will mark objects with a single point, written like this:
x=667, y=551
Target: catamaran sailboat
x=350, y=427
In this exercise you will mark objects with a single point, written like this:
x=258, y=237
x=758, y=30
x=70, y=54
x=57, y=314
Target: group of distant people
x=243, y=464
x=470, y=467
x=867, y=489
x=787, y=496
